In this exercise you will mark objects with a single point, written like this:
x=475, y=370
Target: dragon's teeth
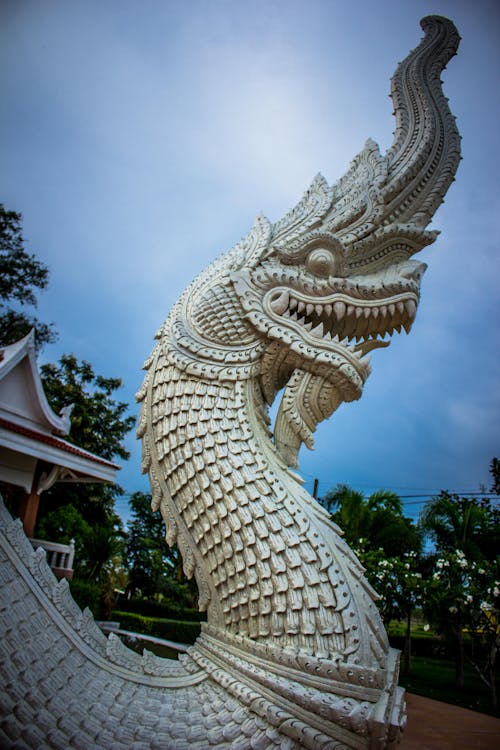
x=318, y=309
x=318, y=331
x=410, y=308
x=400, y=307
x=391, y=309
x=359, y=312
x=280, y=304
x=328, y=309
x=375, y=312
x=308, y=326
x=301, y=306
x=293, y=303
x=309, y=308
x=339, y=308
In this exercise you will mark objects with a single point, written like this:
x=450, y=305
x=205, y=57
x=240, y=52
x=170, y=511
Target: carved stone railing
x=59, y=556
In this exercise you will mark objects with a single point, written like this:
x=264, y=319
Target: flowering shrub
x=396, y=580
x=462, y=598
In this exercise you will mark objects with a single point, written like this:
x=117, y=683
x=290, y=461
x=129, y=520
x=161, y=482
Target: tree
x=469, y=524
x=99, y=424
x=388, y=544
x=372, y=523
x=86, y=512
x=155, y=570
x=400, y=585
x=495, y=475
x=463, y=595
x=21, y=276
x=465, y=566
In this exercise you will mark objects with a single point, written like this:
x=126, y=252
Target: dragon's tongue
x=367, y=346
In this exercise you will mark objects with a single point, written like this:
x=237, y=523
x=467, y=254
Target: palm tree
x=459, y=523
x=375, y=523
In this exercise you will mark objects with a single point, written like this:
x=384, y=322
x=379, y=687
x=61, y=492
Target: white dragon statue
x=294, y=653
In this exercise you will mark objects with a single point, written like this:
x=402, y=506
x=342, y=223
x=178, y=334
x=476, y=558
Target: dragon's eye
x=321, y=262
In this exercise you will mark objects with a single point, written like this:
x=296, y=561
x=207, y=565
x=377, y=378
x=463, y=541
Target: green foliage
x=467, y=524
x=98, y=422
x=166, y=610
x=155, y=569
x=85, y=512
x=387, y=543
x=374, y=523
x=397, y=580
x=21, y=276
x=495, y=475
x=86, y=594
x=463, y=590
x=178, y=631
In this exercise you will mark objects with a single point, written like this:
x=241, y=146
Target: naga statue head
x=301, y=303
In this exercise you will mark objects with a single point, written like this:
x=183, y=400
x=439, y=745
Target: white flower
x=427, y=628
x=481, y=571
x=453, y=610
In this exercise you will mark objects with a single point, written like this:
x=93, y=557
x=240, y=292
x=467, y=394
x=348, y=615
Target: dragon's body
x=294, y=646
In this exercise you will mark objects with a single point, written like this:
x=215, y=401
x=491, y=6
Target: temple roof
x=30, y=431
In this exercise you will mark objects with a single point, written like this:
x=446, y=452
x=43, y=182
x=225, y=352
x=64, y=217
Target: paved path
x=433, y=725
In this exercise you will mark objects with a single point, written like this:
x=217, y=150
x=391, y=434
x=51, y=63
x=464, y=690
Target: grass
x=434, y=678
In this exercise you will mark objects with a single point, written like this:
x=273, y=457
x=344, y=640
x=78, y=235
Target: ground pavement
x=433, y=725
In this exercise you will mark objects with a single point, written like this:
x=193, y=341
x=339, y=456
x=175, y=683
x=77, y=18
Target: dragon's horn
x=423, y=159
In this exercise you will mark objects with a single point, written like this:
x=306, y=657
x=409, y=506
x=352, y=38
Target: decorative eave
x=22, y=354
x=54, y=450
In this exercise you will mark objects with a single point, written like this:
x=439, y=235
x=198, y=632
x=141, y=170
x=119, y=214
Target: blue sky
x=140, y=139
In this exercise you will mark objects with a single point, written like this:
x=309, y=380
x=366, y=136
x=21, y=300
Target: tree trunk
x=459, y=657
x=407, y=647
x=493, y=673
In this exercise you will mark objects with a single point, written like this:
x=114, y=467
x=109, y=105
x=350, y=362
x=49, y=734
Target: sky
x=140, y=139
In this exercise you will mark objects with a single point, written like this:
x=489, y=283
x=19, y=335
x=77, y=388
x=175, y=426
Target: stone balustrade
x=59, y=556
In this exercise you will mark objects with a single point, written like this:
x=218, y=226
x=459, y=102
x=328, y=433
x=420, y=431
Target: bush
x=166, y=610
x=86, y=594
x=179, y=631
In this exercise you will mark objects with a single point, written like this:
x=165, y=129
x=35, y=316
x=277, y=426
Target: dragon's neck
x=269, y=563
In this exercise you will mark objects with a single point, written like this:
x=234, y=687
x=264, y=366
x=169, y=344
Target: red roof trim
x=54, y=442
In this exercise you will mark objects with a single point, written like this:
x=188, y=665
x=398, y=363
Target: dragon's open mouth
x=341, y=319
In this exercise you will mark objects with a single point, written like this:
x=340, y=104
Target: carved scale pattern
x=270, y=579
